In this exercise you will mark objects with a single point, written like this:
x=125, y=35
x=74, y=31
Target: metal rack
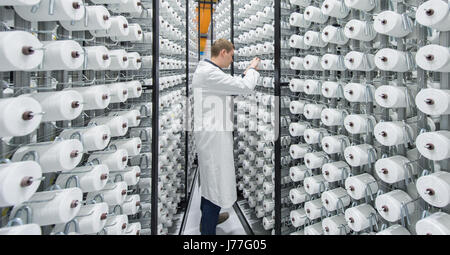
x=281, y=76
x=22, y=82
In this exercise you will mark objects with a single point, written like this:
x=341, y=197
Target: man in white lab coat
x=213, y=125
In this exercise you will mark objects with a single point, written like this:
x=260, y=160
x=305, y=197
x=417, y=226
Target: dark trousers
x=210, y=216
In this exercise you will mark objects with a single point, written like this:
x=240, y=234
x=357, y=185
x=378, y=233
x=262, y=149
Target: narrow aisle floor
x=232, y=226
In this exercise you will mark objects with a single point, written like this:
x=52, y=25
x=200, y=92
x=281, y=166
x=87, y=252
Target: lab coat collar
x=212, y=63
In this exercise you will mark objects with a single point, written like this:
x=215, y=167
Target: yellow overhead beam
x=205, y=19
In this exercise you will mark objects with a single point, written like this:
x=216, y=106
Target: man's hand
x=253, y=64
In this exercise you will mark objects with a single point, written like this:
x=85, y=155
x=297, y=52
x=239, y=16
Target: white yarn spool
x=359, y=61
x=18, y=182
x=130, y=175
x=392, y=60
x=334, y=35
x=97, y=19
x=53, y=156
x=358, y=155
x=119, y=27
x=298, y=150
x=359, y=123
x=390, y=133
x=118, y=125
x=53, y=207
x=315, y=159
x=335, y=225
x=297, y=173
x=359, y=186
x=332, y=117
x=335, y=8
x=434, y=14
x=296, y=63
x=330, y=199
x=61, y=55
x=118, y=92
x=297, y=107
x=116, y=225
x=313, y=38
x=334, y=144
x=330, y=89
x=131, y=145
x=298, y=217
x=314, y=14
x=332, y=62
x=312, y=87
x=268, y=223
x=133, y=229
x=27, y=229
x=434, y=145
x=434, y=58
x=135, y=34
x=298, y=42
x=113, y=193
x=436, y=224
x=93, y=138
x=134, y=89
x=23, y=54
x=296, y=85
x=333, y=171
x=97, y=58
x=435, y=188
x=59, y=105
x=390, y=205
x=363, y=5
x=313, y=111
x=357, y=92
x=131, y=204
x=395, y=230
x=312, y=184
x=313, y=208
x=268, y=187
x=391, y=96
x=116, y=160
x=359, y=30
x=62, y=10
x=268, y=205
x=312, y=135
x=393, y=169
x=91, y=219
x=133, y=117
x=434, y=101
x=19, y=116
x=358, y=217
x=391, y=23
x=119, y=60
x=94, y=97
x=91, y=178
x=312, y=62
x=297, y=195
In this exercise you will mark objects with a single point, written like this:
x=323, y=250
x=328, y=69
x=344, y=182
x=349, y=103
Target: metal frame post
x=155, y=117
x=277, y=77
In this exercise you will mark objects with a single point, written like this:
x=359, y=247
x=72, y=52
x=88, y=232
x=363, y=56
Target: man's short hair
x=219, y=45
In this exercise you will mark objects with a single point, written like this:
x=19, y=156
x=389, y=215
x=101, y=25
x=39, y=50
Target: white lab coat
x=213, y=126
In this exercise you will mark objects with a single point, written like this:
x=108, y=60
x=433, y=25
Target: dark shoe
x=223, y=217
